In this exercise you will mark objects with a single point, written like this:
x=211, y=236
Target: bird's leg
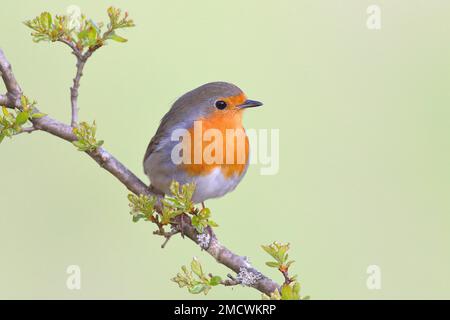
x=203, y=205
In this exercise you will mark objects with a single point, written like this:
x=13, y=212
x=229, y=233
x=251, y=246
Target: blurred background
x=364, y=147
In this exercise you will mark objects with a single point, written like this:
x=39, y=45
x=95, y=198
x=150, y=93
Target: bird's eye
x=220, y=104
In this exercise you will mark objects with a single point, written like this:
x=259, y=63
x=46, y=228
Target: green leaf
x=195, y=221
x=212, y=223
x=273, y=264
x=79, y=144
x=5, y=111
x=216, y=280
x=38, y=115
x=290, y=291
x=22, y=118
x=23, y=101
x=92, y=35
x=46, y=20
x=289, y=263
x=138, y=217
x=197, y=288
x=205, y=213
x=115, y=37
x=196, y=267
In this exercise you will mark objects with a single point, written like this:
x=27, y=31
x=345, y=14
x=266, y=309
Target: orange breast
x=218, y=140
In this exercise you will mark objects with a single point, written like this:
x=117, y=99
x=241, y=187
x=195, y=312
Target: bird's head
x=218, y=99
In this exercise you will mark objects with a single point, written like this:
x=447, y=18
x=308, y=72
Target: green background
x=364, y=147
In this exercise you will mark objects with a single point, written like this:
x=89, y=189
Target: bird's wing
x=152, y=146
x=164, y=129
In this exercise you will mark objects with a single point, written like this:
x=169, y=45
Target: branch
x=74, y=91
x=14, y=92
x=27, y=130
x=81, y=62
x=108, y=162
x=74, y=48
x=4, y=101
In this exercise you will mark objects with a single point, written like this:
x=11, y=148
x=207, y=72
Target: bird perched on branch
x=201, y=140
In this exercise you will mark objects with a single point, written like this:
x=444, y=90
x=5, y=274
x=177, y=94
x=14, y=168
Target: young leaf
x=198, y=288
x=196, y=267
x=272, y=264
x=216, y=280
x=38, y=115
x=115, y=37
x=22, y=118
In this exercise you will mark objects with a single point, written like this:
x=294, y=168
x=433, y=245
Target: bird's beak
x=250, y=104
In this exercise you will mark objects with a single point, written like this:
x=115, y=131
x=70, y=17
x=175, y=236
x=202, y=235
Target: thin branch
x=231, y=281
x=287, y=278
x=108, y=162
x=27, y=130
x=74, y=91
x=7, y=75
x=167, y=235
x=14, y=92
x=74, y=48
x=81, y=62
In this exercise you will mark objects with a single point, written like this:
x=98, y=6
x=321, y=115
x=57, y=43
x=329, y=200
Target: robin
x=215, y=107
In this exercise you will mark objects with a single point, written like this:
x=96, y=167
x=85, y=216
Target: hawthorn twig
x=27, y=130
x=167, y=235
x=74, y=48
x=108, y=162
x=231, y=281
x=287, y=278
x=74, y=91
x=12, y=98
x=81, y=62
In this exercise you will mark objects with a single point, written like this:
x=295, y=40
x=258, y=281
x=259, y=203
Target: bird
x=215, y=106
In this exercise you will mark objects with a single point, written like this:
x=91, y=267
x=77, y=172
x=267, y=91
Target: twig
x=231, y=281
x=287, y=278
x=74, y=91
x=74, y=48
x=166, y=235
x=14, y=92
x=108, y=162
x=81, y=62
x=27, y=130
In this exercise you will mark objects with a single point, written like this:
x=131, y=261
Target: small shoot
x=86, y=140
x=290, y=289
x=11, y=122
x=278, y=251
x=195, y=280
x=87, y=35
x=142, y=207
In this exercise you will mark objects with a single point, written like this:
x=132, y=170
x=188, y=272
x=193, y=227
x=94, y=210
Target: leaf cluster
x=87, y=34
x=86, y=140
x=195, y=280
x=278, y=251
x=179, y=201
x=11, y=122
x=142, y=207
x=289, y=291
